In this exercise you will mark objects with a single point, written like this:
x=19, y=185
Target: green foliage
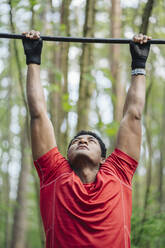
x=67, y=105
x=33, y=2
x=151, y=231
x=15, y=3
x=111, y=129
x=52, y=88
x=62, y=29
x=88, y=77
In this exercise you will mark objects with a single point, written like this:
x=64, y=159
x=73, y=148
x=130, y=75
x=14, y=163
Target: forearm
x=35, y=95
x=135, y=99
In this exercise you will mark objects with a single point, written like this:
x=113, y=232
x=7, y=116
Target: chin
x=81, y=153
x=79, y=156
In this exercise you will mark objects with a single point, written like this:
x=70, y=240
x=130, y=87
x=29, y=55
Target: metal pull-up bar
x=81, y=40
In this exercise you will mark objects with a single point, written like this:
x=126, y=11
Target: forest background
x=85, y=87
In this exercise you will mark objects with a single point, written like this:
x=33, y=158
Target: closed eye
x=74, y=141
x=93, y=140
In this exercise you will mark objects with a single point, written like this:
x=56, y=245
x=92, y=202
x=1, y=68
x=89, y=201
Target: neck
x=87, y=174
x=85, y=168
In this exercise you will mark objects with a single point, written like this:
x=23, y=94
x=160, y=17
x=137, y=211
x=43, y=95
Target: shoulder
x=51, y=165
x=121, y=165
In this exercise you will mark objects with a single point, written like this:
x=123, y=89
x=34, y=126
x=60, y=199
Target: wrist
x=33, y=66
x=138, y=71
x=33, y=59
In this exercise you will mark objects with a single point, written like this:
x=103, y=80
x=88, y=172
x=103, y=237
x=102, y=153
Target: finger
x=32, y=31
x=31, y=37
x=34, y=34
x=137, y=37
x=146, y=38
x=38, y=33
x=26, y=34
x=141, y=38
x=31, y=34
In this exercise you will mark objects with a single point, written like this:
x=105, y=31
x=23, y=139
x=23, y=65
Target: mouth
x=82, y=147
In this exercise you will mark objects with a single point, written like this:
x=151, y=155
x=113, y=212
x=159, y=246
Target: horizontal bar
x=81, y=40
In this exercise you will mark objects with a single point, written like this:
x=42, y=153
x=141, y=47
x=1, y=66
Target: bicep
x=129, y=136
x=42, y=136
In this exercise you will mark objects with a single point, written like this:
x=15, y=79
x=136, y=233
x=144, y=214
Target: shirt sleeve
x=51, y=165
x=121, y=165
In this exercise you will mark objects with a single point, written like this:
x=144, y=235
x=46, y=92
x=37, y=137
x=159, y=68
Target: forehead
x=86, y=136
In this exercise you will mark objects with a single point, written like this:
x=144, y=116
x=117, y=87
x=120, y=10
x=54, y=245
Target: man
x=85, y=201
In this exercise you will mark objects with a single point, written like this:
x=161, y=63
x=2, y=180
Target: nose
x=83, y=141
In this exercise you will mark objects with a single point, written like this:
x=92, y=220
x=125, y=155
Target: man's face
x=85, y=148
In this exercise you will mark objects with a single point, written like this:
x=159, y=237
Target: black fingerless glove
x=32, y=49
x=139, y=53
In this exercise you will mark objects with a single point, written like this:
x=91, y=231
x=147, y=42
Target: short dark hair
x=102, y=145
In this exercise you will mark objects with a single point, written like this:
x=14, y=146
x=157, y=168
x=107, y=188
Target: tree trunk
x=19, y=225
x=146, y=16
x=58, y=78
x=136, y=191
x=162, y=159
x=8, y=138
x=144, y=29
x=86, y=81
x=40, y=224
x=35, y=177
x=6, y=211
x=18, y=62
x=117, y=86
x=64, y=50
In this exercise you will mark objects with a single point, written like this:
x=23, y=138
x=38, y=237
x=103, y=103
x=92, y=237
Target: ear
x=102, y=160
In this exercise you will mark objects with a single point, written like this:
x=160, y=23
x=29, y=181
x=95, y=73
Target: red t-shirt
x=77, y=215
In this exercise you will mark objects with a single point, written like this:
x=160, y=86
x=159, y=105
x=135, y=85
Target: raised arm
x=129, y=134
x=42, y=132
